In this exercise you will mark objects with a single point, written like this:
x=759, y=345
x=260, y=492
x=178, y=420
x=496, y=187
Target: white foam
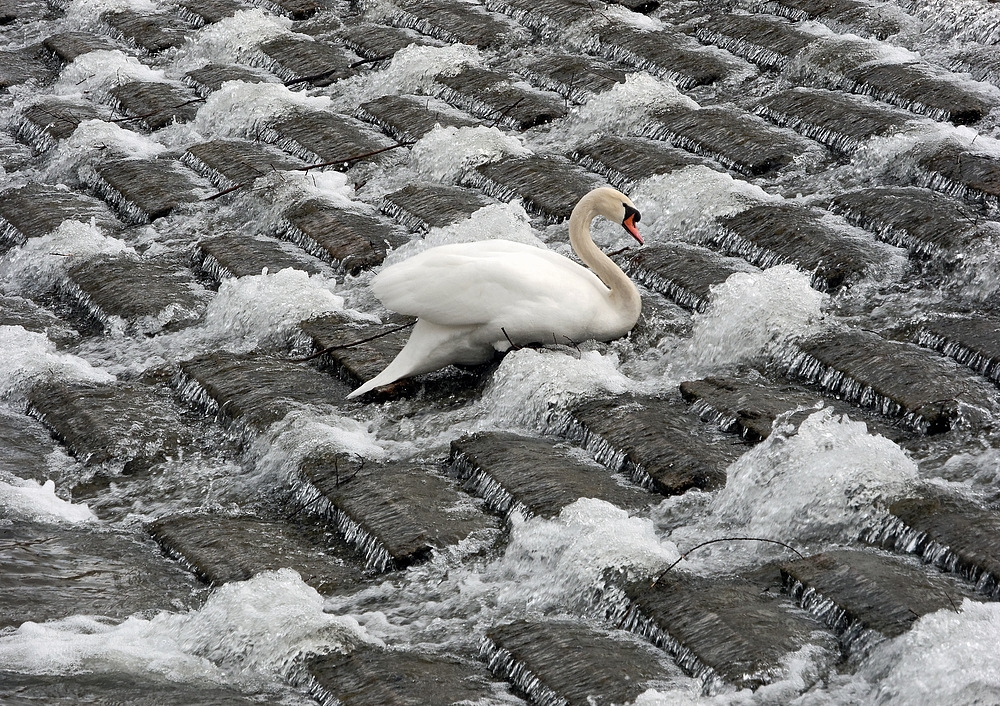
x=85, y=14
x=94, y=139
x=232, y=38
x=27, y=357
x=446, y=153
x=100, y=71
x=38, y=502
x=244, y=109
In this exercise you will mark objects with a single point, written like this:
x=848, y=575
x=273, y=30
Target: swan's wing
x=489, y=281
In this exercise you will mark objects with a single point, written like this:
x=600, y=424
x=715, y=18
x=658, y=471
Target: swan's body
x=472, y=299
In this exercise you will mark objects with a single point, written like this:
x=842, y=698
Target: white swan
x=472, y=299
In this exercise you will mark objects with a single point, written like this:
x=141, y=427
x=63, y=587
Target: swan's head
x=617, y=207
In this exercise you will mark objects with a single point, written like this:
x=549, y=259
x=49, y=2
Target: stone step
x=457, y=22
x=145, y=688
x=681, y=272
x=408, y=118
x=143, y=190
x=220, y=549
x=625, y=161
x=35, y=210
x=927, y=392
x=227, y=256
x=973, y=341
x=45, y=122
x=866, y=597
x=376, y=42
x=150, y=33
x=861, y=17
x=396, y=514
x=836, y=255
x=948, y=531
x=549, y=186
x=736, y=631
x=499, y=99
x=254, y=391
x=423, y=206
x=131, y=295
x=963, y=174
x=25, y=444
x=843, y=122
x=370, y=676
x=199, y=13
x=926, y=223
x=564, y=662
x=327, y=138
x=298, y=62
x=549, y=18
x=574, y=77
x=535, y=476
x=18, y=311
x=18, y=67
x=66, y=46
x=209, y=78
x=295, y=9
x=153, y=105
x=231, y=163
x=769, y=42
x=654, y=442
x=352, y=239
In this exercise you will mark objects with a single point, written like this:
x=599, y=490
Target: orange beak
x=630, y=226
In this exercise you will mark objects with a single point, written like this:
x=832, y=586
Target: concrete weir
x=227, y=256
x=962, y=173
x=768, y=42
x=421, y=207
x=973, y=341
x=534, y=476
x=43, y=123
x=231, y=163
x=152, y=105
x=35, y=210
x=498, y=98
x=625, y=161
x=408, y=118
x=326, y=138
x=143, y=190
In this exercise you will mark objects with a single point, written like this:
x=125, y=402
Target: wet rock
x=964, y=174
x=144, y=689
x=550, y=186
x=421, y=207
x=562, y=662
x=149, y=33
x=231, y=163
x=358, y=351
x=928, y=393
x=653, y=442
x=205, y=12
x=49, y=120
x=327, y=138
x=681, y=272
x=455, y=22
x=625, y=161
x=66, y=46
x=296, y=9
x=924, y=222
x=858, y=15
x=945, y=530
x=254, y=391
x=210, y=77
x=23, y=11
x=973, y=341
x=142, y=190
x=408, y=118
x=396, y=514
x=135, y=295
x=768, y=42
x=154, y=105
x=574, y=77
x=534, y=476
x=17, y=311
x=300, y=61
x=769, y=235
x=37, y=209
x=499, y=99
x=866, y=597
x=371, y=676
x=18, y=67
x=228, y=256
x=736, y=139
x=375, y=42
x=547, y=17
x=351, y=239
x=222, y=549
x=24, y=445
x=842, y=122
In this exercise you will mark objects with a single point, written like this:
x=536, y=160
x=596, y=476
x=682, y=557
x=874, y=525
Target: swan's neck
x=624, y=296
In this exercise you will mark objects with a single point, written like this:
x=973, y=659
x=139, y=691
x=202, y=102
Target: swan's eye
x=631, y=213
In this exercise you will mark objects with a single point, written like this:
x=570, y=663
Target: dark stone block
x=142, y=190
x=574, y=77
x=142, y=689
x=18, y=311
x=561, y=662
x=210, y=77
x=421, y=207
x=230, y=163
x=549, y=186
x=456, y=22
x=534, y=476
x=766, y=41
x=547, y=17
x=396, y=514
x=654, y=442
x=37, y=209
x=66, y=46
x=327, y=138
x=44, y=123
x=681, y=272
x=359, y=351
x=296, y=9
x=222, y=549
x=300, y=61
x=964, y=174
x=228, y=256
x=861, y=16
x=842, y=122
x=154, y=105
x=23, y=11
x=150, y=33
x=353, y=240
x=17, y=67
x=205, y=12
x=408, y=118
x=624, y=161
x=374, y=42
x=25, y=442
x=495, y=97
x=770, y=235
x=738, y=140
x=973, y=341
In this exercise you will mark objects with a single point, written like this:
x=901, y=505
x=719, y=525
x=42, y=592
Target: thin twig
x=724, y=539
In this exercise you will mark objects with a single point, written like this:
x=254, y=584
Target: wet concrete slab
x=836, y=255
x=901, y=380
x=300, y=62
x=963, y=174
x=36, y=209
x=421, y=207
x=254, y=391
x=237, y=255
x=408, y=118
x=44, y=123
x=500, y=99
x=972, y=340
x=547, y=185
x=843, y=122
x=563, y=662
x=221, y=549
x=19, y=67
x=145, y=689
x=327, y=138
x=769, y=42
x=371, y=676
x=230, y=163
x=143, y=190
x=25, y=445
x=547, y=17
x=350, y=239
x=295, y=9
x=681, y=272
x=738, y=140
x=653, y=442
x=66, y=46
x=18, y=311
x=199, y=13
x=574, y=77
x=154, y=105
x=209, y=78
x=625, y=161
x=864, y=18
x=147, y=32
x=376, y=42
x=396, y=514
x=926, y=223
x=457, y=22
x=535, y=476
